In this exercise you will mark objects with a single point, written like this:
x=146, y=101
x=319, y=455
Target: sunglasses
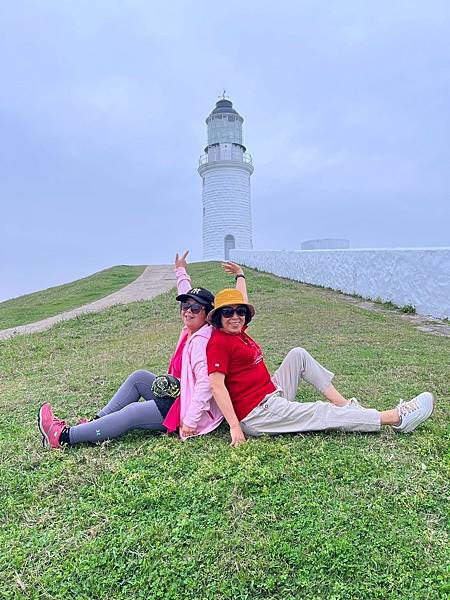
x=228, y=311
x=195, y=307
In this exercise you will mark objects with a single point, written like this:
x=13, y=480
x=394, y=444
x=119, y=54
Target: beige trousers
x=280, y=413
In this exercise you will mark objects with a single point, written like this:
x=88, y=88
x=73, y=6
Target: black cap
x=200, y=295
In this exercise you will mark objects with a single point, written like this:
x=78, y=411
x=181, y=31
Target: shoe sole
x=427, y=416
x=45, y=440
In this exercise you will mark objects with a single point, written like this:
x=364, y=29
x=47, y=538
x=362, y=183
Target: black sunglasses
x=228, y=311
x=195, y=307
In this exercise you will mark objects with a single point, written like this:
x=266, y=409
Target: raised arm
x=183, y=280
x=236, y=270
x=223, y=401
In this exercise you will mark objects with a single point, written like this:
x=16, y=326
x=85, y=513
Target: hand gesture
x=232, y=268
x=237, y=436
x=180, y=261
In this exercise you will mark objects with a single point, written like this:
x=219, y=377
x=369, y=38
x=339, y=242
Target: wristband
x=240, y=275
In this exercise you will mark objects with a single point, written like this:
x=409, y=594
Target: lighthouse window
x=224, y=130
x=229, y=243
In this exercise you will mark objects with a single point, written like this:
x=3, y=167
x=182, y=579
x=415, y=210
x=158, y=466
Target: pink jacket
x=197, y=406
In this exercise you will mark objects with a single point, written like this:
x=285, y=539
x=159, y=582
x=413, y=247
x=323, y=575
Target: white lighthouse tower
x=225, y=169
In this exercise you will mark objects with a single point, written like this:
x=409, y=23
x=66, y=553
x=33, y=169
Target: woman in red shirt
x=193, y=412
x=254, y=403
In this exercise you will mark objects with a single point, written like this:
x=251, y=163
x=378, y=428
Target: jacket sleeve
x=183, y=280
x=201, y=397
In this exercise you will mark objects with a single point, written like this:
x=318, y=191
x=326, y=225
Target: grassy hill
x=317, y=516
x=54, y=300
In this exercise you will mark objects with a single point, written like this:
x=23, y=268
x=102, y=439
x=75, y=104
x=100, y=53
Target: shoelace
x=57, y=422
x=404, y=408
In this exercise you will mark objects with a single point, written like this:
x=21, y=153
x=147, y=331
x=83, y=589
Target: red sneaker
x=49, y=426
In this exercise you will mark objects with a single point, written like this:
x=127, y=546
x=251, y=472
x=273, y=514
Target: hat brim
x=211, y=314
x=184, y=297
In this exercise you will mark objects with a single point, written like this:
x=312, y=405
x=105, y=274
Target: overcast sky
x=102, y=113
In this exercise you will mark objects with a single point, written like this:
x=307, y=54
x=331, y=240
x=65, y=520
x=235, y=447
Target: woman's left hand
x=187, y=431
x=232, y=268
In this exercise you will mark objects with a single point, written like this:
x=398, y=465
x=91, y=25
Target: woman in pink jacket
x=194, y=412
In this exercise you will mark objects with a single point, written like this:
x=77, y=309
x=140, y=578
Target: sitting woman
x=194, y=412
x=255, y=403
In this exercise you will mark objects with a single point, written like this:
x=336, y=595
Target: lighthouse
x=225, y=169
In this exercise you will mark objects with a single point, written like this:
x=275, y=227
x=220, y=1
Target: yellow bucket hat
x=228, y=297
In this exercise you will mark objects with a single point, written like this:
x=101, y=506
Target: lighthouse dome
x=224, y=106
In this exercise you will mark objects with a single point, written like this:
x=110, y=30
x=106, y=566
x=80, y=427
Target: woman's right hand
x=237, y=436
x=188, y=431
x=232, y=268
x=180, y=261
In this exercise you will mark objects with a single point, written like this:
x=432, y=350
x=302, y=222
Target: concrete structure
x=225, y=169
x=416, y=276
x=326, y=244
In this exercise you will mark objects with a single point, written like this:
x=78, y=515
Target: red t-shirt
x=240, y=359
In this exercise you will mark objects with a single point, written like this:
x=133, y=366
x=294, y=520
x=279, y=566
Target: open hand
x=180, y=261
x=232, y=268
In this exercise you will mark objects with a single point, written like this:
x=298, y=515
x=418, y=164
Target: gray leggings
x=123, y=412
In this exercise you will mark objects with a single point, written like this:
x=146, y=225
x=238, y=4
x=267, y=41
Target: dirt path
x=153, y=281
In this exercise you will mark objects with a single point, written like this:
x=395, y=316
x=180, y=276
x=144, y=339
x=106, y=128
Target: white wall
x=417, y=276
x=326, y=244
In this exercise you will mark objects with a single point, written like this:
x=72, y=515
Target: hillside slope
x=54, y=300
x=321, y=516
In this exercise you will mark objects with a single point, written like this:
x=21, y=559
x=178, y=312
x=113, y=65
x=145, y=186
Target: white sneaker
x=414, y=412
x=353, y=403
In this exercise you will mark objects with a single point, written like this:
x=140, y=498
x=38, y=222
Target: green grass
x=318, y=516
x=50, y=302
x=406, y=308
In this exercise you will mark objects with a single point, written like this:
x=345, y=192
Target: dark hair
x=209, y=306
x=216, y=320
